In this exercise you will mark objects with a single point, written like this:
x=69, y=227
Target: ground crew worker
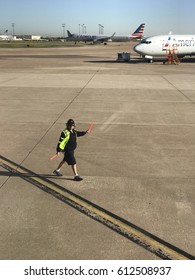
x=67, y=144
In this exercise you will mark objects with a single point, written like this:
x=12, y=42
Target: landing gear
x=150, y=58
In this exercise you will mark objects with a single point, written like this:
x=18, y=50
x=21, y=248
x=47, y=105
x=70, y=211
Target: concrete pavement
x=138, y=162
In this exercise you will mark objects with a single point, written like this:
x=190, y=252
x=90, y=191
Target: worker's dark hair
x=70, y=122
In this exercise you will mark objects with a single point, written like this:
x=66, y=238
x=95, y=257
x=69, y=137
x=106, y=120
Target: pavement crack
x=188, y=98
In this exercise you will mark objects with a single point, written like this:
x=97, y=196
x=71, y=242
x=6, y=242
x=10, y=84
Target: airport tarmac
x=137, y=197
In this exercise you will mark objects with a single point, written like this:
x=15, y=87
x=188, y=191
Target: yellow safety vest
x=65, y=140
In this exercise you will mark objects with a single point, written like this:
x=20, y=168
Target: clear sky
x=45, y=17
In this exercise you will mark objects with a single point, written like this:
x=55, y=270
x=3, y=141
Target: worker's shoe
x=57, y=173
x=78, y=178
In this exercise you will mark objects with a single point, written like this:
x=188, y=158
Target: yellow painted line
x=125, y=228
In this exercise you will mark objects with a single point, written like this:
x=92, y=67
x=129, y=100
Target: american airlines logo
x=186, y=43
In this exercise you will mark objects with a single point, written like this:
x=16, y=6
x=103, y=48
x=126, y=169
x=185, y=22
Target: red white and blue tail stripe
x=138, y=32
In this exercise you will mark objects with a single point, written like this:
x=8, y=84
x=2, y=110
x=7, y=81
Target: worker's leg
x=60, y=165
x=74, y=168
x=57, y=170
x=76, y=177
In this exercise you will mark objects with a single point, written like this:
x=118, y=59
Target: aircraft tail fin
x=69, y=34
x=138, y=33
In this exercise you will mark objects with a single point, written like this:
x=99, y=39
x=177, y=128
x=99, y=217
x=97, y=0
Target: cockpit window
x=144, y=41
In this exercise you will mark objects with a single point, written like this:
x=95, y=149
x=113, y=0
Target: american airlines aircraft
x=182, y=45
x=137, y=34
x=88, y=38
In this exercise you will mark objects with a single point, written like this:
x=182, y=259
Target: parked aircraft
x=88, y=38
x=137, y=34
x=161, y=45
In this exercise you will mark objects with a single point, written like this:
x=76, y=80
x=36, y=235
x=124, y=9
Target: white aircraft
x=88, y=38
x=137, y=34
x=161, y=45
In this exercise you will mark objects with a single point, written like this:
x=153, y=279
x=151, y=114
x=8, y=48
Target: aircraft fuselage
x=159, y=45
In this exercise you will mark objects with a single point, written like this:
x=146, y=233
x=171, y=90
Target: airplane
x=161, y=45
x=137, y=34
x=88, y=38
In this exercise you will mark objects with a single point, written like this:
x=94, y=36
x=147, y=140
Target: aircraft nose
x=137, y=48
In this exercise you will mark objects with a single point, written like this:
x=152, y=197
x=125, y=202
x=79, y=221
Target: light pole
x=83, y=27
x=63, y=26
x=13, y=25
x=101, y=29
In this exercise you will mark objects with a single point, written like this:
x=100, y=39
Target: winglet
x=113, y=35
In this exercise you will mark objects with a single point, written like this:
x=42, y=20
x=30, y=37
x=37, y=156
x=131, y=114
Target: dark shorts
x=69, y=157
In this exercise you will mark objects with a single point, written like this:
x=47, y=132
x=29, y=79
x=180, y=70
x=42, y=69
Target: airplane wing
x=104, y=38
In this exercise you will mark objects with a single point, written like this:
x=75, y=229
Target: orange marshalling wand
x=90, y=127
x=54, y=156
